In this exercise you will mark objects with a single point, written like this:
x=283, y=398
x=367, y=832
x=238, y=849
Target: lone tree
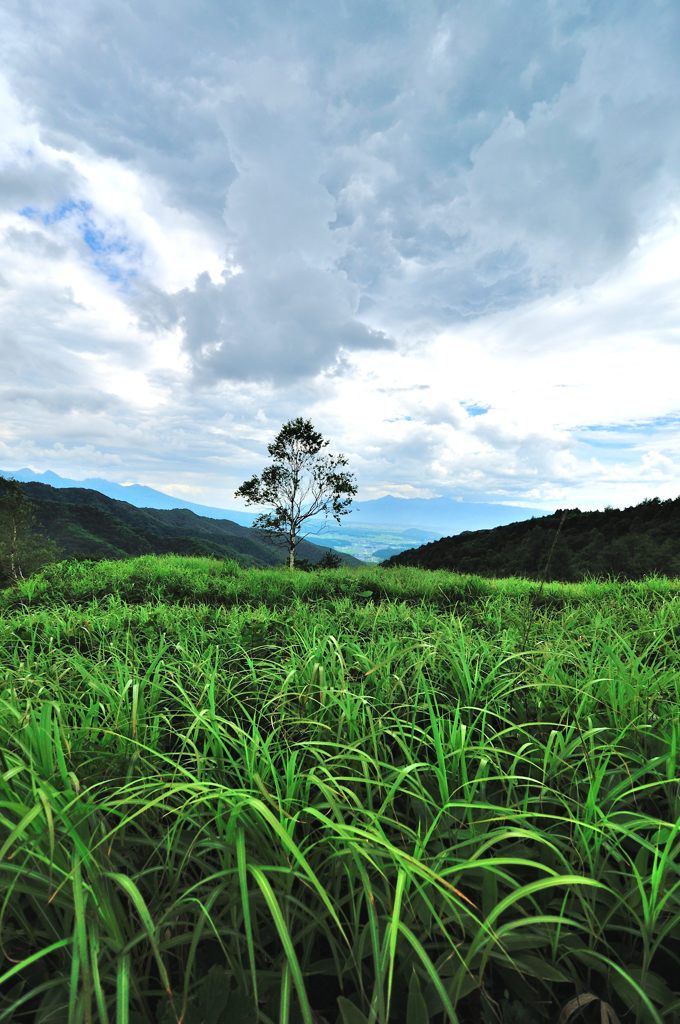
x=302, y=482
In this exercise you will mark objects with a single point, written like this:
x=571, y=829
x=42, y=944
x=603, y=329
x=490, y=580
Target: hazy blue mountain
x=383, y=554
x=440, y=515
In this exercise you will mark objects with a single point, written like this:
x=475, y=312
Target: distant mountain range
x=569, y=545
x=374, y=529
x=84, y=523
x=134, y=494
x=441, y=515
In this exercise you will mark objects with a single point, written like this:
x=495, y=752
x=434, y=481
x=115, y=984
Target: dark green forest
x=569, y=545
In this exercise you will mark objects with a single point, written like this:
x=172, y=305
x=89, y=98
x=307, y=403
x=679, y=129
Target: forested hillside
x=86, y=524
x=629, y=543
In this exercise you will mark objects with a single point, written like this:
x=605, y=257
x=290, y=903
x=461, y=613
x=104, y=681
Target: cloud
x=528, y=404
x=287, y=309
x=571, y=183
x=288, y=324
x=232, y=216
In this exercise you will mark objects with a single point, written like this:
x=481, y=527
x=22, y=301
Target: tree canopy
x=22, y=549
x=302, y=483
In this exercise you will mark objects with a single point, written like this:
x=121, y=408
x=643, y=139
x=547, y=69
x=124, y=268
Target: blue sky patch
x=104, y=247
x=60, y=212
x=633, y=427
x=608, y=443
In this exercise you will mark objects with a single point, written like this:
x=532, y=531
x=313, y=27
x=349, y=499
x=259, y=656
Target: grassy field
x=359, y=796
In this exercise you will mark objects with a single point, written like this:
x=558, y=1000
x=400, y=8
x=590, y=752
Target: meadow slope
x=337, y=797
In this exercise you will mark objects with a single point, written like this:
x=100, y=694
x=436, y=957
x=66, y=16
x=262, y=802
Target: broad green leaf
x=349, y=1013
x=416, y=1007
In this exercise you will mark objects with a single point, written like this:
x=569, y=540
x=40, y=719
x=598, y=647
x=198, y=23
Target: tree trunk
x=14, y=567
x=291, y=552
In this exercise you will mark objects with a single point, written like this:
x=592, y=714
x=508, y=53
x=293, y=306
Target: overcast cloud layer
x=448, y=232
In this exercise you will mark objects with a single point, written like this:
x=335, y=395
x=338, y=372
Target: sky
x=446, y=232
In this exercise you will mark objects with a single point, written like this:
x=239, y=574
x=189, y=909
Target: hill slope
x=631, y=543
x=87, y=524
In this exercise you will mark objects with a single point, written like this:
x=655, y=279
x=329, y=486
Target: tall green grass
x=180, y=579
x=349, y=797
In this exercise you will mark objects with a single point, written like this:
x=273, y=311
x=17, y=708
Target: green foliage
x=300, y=484
x=180, y=579
x=334, y=796
x=331, y=560
x=570, y=545
x=22, y=548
